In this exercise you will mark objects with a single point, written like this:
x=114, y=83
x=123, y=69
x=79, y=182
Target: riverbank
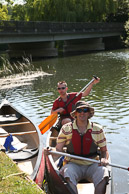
x=12, y=180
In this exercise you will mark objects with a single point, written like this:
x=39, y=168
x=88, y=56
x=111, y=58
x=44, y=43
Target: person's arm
x=58, y=110
x=87, y=91
x=59, y=147
x=104, y=156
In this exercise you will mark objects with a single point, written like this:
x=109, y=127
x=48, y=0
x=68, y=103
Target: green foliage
x=127, y=32
x=122, y=12
x=4, y=13
x=66, y=10
x=70, y=10
x=19, y=13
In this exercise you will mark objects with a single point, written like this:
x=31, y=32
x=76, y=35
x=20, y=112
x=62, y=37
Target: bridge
x=43, y=35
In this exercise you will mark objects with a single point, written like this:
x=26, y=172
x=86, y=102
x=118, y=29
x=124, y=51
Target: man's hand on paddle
x=60, y=110
x=104, y=162
x=88, y=89
x=96, y=80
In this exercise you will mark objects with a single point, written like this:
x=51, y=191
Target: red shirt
x=59, y=103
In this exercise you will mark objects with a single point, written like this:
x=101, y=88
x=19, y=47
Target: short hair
x=62, y=82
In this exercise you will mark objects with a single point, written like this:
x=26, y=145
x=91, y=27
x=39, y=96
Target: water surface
x=33, y=93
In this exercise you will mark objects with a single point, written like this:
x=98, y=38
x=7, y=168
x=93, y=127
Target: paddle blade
x=48, y=123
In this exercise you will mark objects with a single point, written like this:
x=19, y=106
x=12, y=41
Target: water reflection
x=110, y=97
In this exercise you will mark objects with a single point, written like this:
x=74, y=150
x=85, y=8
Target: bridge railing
x=57, y=27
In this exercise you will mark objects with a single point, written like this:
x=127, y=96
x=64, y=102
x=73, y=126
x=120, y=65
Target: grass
x=13, y=181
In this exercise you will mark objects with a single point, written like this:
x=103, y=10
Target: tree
x=70, y=10
x=4, y=12
x=122, y=12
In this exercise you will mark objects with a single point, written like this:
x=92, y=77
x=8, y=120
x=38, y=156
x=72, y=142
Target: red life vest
x=60, y=103
x=82, y=145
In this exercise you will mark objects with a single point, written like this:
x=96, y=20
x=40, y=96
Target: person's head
x=62, y=87
x=82, y=110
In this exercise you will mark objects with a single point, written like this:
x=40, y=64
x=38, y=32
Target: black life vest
x=82, y=144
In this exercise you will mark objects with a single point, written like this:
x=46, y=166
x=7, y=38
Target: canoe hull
x=26, y=134
x=57, y=184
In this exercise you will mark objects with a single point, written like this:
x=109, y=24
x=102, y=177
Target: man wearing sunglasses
x=83, y=138
x=59, y=105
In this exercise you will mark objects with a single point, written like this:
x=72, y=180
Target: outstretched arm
x=87, y=91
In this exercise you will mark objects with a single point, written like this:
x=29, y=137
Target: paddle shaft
x=80, y=91
x=87, y=159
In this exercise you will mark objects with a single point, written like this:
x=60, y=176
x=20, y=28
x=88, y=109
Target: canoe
x=56, y=183
x=22, y=141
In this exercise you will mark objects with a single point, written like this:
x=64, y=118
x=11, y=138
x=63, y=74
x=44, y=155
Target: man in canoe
x=83, y=138
x=60, y=104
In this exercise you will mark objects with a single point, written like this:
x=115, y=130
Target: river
x=33, y=92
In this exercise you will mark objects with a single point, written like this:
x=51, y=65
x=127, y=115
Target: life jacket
x=82, y=145
x=62, y=104
x=71, y=106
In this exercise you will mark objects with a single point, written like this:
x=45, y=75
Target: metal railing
x=17, y=27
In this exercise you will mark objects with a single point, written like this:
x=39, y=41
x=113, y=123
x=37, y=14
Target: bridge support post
x=35, y=49
x=83, y=45
x=113, y=42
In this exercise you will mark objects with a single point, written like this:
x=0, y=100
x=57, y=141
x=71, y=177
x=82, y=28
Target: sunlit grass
x=16, y=67
x=12, y=180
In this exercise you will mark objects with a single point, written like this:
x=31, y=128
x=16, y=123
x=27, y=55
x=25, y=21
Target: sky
x=15, y=2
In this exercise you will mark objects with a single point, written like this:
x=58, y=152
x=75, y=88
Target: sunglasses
x=62, y=88
x=79, y=110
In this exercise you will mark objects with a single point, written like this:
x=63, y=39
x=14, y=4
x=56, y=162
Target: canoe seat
x=2, y=131
x=9, y=118
x=23, y=154
x=17, y=144
x=87, y=188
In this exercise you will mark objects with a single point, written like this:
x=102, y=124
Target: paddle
x=87, y=159
x=81, y=91
x=48, y=123
x=50, y=120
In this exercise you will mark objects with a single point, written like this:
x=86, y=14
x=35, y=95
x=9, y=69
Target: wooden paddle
x=87, y=159
x=50, y=120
